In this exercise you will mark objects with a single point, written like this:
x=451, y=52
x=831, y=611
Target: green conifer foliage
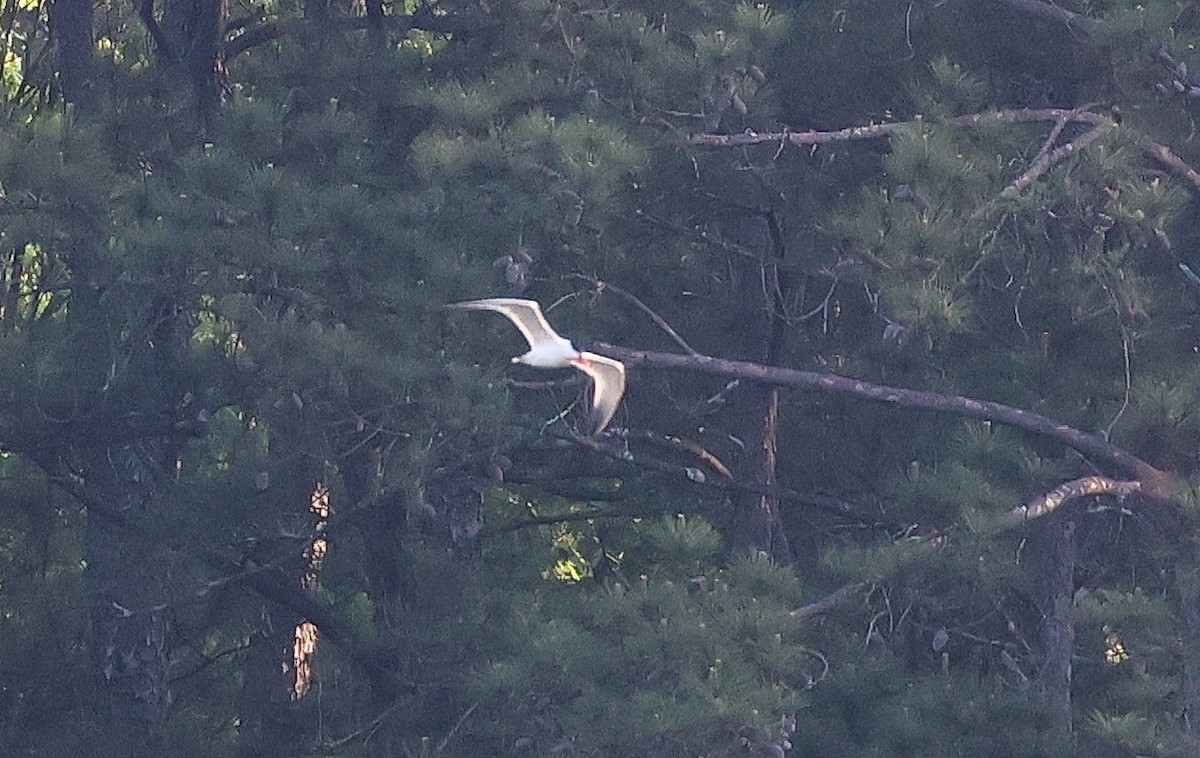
x=689, y=659
x=247, y=307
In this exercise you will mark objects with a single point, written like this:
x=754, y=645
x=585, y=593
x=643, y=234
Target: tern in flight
x=548, y=350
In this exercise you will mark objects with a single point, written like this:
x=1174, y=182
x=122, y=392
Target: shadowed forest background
x=908, y=296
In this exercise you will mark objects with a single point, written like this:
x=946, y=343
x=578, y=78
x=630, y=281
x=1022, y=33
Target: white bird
x=548, y=350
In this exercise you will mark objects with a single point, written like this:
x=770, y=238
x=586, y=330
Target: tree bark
x=130, y=625
x=190, y=38
x=270, y=723
x=756, y=522
x=757, y=526
x=1187, y=587
x=1058, y=628
x=71, y=29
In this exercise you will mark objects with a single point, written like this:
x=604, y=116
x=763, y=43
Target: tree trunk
x=270, y=722
x=1058, y=628
x=190, y=37
x=756, y=522
x=71, y=29
x=1187, y=586
x=128, y=612
x=757, y=526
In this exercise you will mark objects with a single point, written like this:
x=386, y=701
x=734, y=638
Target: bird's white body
x=548, y=350
x=550, y=353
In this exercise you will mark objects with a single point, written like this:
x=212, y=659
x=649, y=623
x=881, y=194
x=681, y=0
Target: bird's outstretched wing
x=525, y=314
x=608, y=385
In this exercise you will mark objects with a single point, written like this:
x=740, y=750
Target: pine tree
x=222, y=280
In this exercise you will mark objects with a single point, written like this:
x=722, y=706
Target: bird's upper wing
x=525, y=314
x=608, y=385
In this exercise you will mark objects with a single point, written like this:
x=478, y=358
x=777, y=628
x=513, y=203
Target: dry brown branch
x=608, y=449
x=695, y=448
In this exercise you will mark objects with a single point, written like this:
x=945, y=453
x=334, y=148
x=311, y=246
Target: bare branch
x=1090, y=445
x=1171, y=161
x=1046, y=160
x=695, y=448
x=879, y=131
x=699, y=478
x=827, y=603
x=1065, y=493
x=658, y=320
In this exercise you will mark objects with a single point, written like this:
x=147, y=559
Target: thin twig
x=695, y=448
x=658, y=320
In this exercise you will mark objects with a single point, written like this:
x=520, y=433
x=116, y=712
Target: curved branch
x=161, y=43
x=1073, y=490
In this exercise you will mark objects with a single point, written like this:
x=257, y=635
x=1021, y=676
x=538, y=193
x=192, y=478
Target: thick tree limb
x=161, y=43
x=1059, y=496
x=1152, y=480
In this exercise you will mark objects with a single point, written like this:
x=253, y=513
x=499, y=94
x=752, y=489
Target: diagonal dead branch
x=827, y=603
x=1153, y=481
x=694, y=448
x=1048, y=159
x=1172, y=162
